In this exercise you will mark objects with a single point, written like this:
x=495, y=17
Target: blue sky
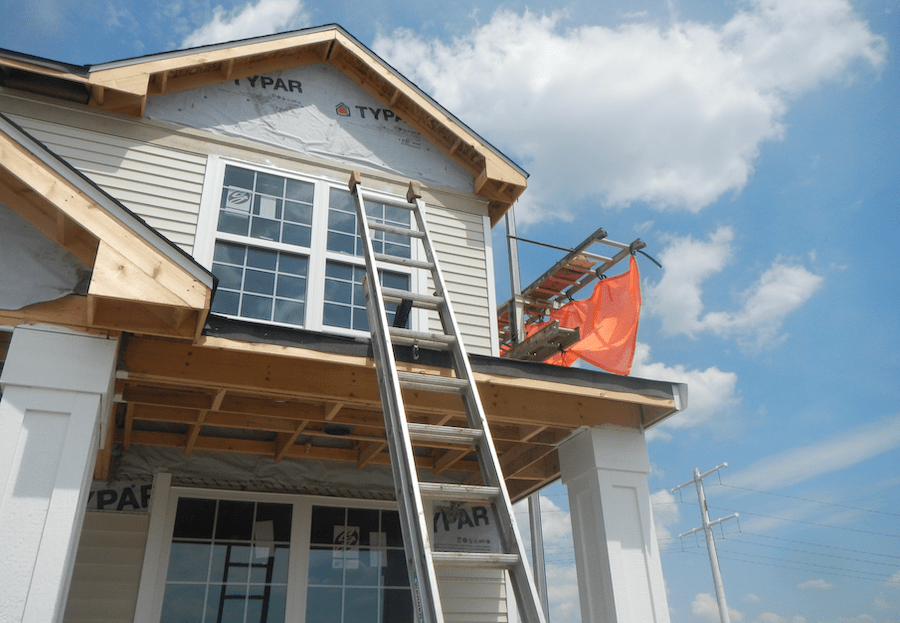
x=754, y=147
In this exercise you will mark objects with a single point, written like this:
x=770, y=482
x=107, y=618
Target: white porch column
x=616, y=554
x=55, y=385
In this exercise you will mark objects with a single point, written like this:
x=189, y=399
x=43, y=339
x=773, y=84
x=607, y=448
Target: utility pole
x=710, y=541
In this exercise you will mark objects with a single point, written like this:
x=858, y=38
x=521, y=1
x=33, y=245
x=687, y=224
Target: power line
x=794, y=497
x=844, y=549
x=811, y=523
x=880, y=578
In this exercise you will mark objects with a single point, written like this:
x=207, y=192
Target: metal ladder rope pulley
x=403, y=435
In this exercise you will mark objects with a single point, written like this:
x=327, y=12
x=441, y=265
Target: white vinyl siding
x=159, y=184
x=463, y=262
x=477, y=596
x=107, y=568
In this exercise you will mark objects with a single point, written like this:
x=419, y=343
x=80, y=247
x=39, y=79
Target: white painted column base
x=55, y=387
x=616, y=554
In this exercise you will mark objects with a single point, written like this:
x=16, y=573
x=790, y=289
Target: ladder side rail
x=406, y=484
x=523, y=581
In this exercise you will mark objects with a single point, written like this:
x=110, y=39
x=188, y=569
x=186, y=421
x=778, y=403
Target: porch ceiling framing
x=283, y=402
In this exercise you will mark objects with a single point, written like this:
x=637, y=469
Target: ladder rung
x=444, y=434
x=423, y=301
x=475, y=560
x=431, y=383
x=447, y=492
x=385, y=199
x=408, y=337
x=402, y=261
x=393, y=229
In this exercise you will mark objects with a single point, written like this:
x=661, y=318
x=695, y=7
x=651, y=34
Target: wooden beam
x=194, y=431
x=368, y=450
x=127, y=428
x=284, y=441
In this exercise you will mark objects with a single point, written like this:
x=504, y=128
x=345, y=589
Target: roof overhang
x=139, y=281
x=124, y=87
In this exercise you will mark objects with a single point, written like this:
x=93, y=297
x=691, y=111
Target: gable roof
x=140, y=281
x=124, y=86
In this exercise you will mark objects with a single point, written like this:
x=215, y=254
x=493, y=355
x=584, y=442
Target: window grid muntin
x=247, y=279
x=393, y=594
x=265, y=206
x=319, y=255
x=346, y=279
x=254, y=543
x=343, y=230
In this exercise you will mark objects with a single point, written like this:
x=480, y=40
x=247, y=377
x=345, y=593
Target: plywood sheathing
x=125, y=87
x=285, y=402
x=133, y=286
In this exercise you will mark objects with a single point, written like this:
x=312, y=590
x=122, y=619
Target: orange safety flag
x=608, y=321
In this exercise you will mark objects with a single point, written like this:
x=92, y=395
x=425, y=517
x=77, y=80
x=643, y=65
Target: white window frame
x=164, y=504
x=318, y=255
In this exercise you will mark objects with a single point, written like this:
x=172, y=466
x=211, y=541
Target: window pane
x=189, y=562
x=324, y=519
x=235, y=520
x=289, y=312
x=235, y=176
x=299, y=191
x=360, y=605
x=256, y=307
x=230, y=253
x=270, y=184
x=230, y=277
x=266, y=229
x=234, y=223
x=298, y=212
x=183, y=603
x=299, y=235
x=259, y=282
x=325, y=567
x=194, y=519
x=226, y=302
x=398, y=605
x=323, y=605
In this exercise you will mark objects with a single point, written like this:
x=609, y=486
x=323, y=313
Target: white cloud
x=706, y=607
x=780, y=290
x=769, y=617
x=711, y=392
x=843, y=450
x=750, y=598
x=821, y=585
x=894, y=581
x=671, y=116
x=665, y=513
x=264, y=17
x=677, y=299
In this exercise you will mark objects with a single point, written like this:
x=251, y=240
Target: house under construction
x=208, y=413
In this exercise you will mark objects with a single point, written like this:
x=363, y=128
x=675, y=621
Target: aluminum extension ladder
x=402, y=435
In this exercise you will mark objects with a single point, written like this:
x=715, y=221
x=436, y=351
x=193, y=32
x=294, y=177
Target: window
x=216, y=557
x=286, y=248
x=228, y=562
x=357, y=567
